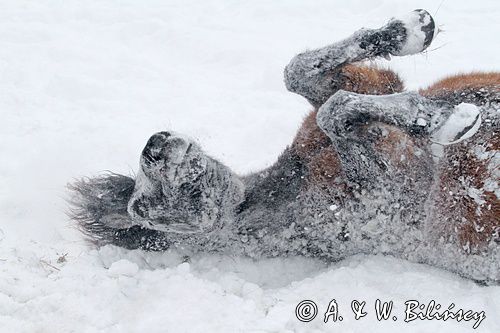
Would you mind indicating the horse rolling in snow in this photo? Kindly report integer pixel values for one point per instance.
(373, 169)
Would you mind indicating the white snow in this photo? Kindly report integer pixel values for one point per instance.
(333, 207)
(421, 122)
(84, 84)
(123, 267)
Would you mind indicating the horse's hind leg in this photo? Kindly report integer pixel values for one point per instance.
(346, 117)
(317, 75)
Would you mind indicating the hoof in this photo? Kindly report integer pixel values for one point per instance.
(420, 31)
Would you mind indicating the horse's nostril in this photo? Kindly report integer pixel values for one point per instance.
(189, 148)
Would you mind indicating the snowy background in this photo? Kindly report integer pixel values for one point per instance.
(83, 84)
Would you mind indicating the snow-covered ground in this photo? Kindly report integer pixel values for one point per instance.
(82, 86)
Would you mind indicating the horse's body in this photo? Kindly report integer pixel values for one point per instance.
(373, 169)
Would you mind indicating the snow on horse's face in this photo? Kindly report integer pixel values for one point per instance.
(179, 188)
(172, 158)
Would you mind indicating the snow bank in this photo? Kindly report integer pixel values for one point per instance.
(114, 290)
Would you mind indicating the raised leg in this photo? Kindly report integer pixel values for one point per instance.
(345, 118)
(316, 74)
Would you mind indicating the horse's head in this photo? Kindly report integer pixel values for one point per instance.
(181, 189)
